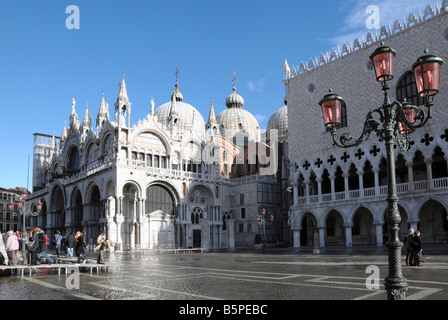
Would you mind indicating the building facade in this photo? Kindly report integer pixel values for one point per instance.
(340, 193)
(9, 220)
(171, 180)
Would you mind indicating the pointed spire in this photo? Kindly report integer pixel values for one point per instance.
(103, 113)
(123, 106)
(211, 117)
(64, 132)
(104, 108)
(87, 121)
(123, 94)
(53, 143)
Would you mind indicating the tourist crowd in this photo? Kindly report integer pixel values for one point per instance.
(36, 246)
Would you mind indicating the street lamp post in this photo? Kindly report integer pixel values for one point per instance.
(263, 221)
(18, 206)
(397, 121)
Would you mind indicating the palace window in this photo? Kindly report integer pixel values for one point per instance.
(407, 88)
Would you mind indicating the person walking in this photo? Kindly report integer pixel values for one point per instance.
(408, 243)
(417, 249)
(71, 244)
(43, 246)
(58, 241)
(33, 246)
(81, 247)
(102, 245)
(12, 246)
(64, 243)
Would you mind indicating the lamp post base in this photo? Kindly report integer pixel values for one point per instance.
(396, 288)
(396, 285)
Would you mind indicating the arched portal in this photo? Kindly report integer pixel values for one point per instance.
(159, 197)
(363, 230)
(196, 215)
(57, 214)
(77, 211)
(161, 209)
(130, 209)
(433, 222)
(335, 233)
(309, 227)
(93, 211)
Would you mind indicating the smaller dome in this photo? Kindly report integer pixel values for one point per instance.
(279, 122)
(234, 100)
(177, 95)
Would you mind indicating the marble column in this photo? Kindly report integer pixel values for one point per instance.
(296, 236)
(348, 234)
(429, 173)
(409, 165)
(333, 188)
(322, 237)
(379, 233)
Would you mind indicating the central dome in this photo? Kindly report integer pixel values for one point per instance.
(185, 115)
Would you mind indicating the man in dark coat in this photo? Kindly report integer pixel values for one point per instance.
(416, 249)
(71, 244)
(42, 238)
(33, 246)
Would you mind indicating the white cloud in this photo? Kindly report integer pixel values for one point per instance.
(389, 11)
(256, 86)
(261, 118)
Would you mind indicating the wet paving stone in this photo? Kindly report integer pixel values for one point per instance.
(229, 276)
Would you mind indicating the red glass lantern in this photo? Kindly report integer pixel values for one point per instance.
(427, 74)
(331, 109)
(271, 218)
(39, 206)
(19, 204)
(11, 206)
(409, 112)
(263, 212)
(383, 61)
(24, 195)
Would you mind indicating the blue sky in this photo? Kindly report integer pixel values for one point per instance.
(43, 64)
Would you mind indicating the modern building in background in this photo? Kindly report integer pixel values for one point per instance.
(340, 193)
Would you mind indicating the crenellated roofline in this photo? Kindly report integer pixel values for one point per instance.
(357, 44)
